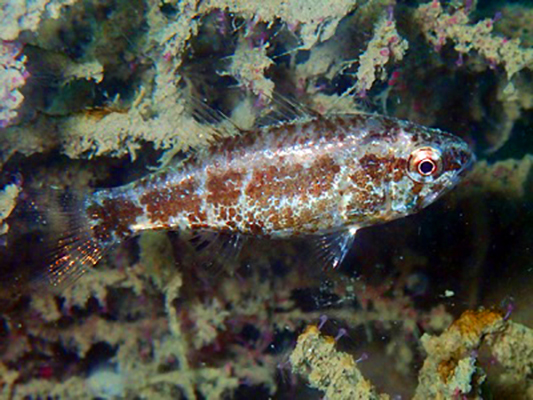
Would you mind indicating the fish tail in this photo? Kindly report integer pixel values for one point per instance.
(73, 247)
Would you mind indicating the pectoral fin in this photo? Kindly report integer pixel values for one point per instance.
(331, 248)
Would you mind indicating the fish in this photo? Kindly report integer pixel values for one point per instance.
(323, 177)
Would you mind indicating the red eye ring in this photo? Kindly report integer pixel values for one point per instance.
(424, 164)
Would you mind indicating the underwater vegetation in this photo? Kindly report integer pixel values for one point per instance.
(99, 93)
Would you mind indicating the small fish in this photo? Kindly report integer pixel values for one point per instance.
(322, 176)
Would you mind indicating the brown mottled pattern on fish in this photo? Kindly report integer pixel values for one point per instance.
(320, 176)
(304, 177)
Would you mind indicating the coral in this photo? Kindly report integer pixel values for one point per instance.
(159, 109)
(155, 254)
(507, 177)
(46, 307)
(450, 368)
(515, 21)
(248, 65)
(329, 370)
(27, 140)
(513, 349)
(385, 44)
(8, 200)
(26, 15)
(514, 97)
(7, 380)
(106, 383)
(315, 23)
(169, 339)
(439, 26)
(157, 114)
(209, 320)
(13, 76)
(90, 71)
(452, 365)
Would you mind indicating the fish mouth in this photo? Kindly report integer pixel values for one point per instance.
(467, 167)
(431, 198)
(463, 172)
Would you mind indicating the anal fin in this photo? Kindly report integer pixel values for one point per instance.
(216, 249)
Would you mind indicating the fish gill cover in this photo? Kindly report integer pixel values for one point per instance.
(99, 93)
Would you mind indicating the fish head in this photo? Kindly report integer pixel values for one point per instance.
(431, 163)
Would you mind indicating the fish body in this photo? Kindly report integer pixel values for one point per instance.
(306, 177)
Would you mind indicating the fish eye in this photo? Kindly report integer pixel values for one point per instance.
(424, 164)
(426, 167)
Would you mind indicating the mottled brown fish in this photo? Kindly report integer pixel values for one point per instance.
(324, 176)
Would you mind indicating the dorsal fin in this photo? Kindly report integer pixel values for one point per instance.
(216, 121)
(284, 108)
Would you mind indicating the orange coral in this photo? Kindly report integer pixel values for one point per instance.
(472, 324)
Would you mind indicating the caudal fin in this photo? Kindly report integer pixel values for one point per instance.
(73, 255)
(72, 246)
